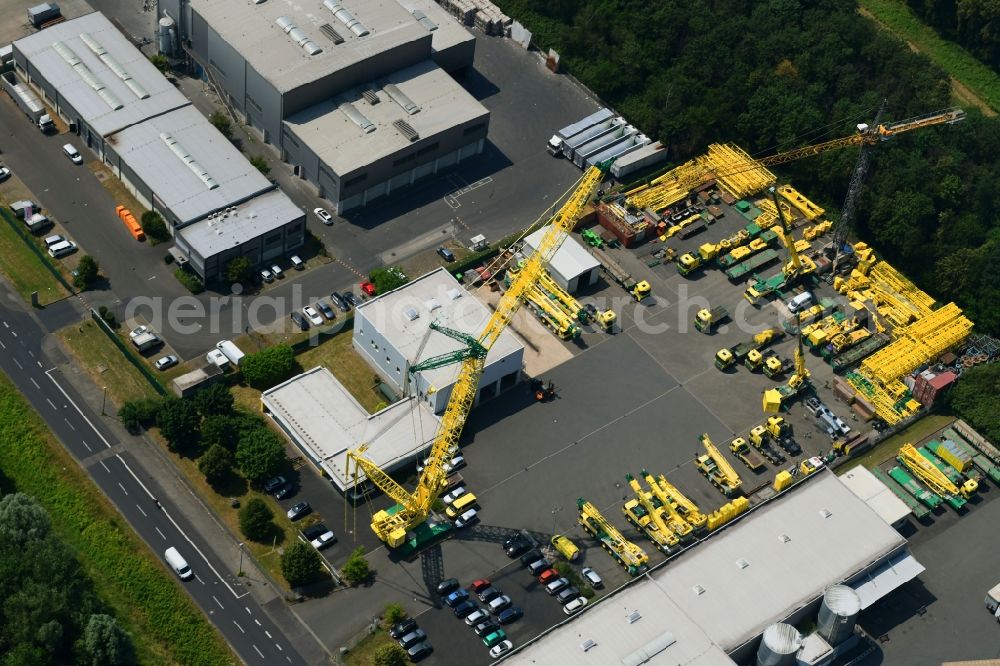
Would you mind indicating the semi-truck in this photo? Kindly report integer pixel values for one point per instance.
(639, 289)
(43, 13)
(27, 101)
(993, 601)
(707, 320)
(747, 455)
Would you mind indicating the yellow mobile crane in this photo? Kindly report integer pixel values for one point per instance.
(646, 517)
(796, 267)
(935, 479)
(717, 469)
(632, 557)
(692, 515)
(775, 398)
(405, 522)
(677, 523)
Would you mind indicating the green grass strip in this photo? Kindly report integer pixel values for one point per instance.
(952, 58)
(166, 626)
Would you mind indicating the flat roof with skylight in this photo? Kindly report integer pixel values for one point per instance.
(188, 164)
(98, 72)
(445, 31)
(722, 593)
(570, 260)
(293, 44)
(325, 420)
(349, 132)
(231, 228)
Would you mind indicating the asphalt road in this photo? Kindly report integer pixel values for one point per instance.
(120, 477)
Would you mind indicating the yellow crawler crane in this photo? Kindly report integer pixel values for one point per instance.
(632, 558)
(935, 479)
(675, 521)
(717, 469)
(692, 514)
(646, 517)
(405, 523)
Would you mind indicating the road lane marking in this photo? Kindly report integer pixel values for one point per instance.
(85, 444)
(258, 651)
(141, 511)
(17, 362)
(51, 403)
(122, 487)
(160, 533)
(77, 408)
(279, 647)
(219, 602)
(31, 353)
(248, 610)
(14, 333)
(240, 628)
(6, 325)
(35, 383)
(39, 364)
(3, 345)
(71, 426)
(267, 633)
(105, 467)
(257, 622)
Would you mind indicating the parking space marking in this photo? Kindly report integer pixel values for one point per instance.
(141, 511)
(451, 199)
(218, 602)
(257, 622)
(86, 445)
(71, 426)
(105, 467)
(267, 633)
(3, 345)
(122, 487)
(198, 578)
(240, 628)
(258, 651)
(248, 610)
(279, 647)
(21, 367)
(32, 379)
(51, 403)
(160, 533)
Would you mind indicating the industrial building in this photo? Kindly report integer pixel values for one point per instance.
(355, 96)
(572, 267)
(876, 495)
(217, 205)
(392, 332)
(710, 604)
(324, 421)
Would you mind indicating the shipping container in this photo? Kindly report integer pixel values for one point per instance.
(618, 136)
(23, 96)
(43, 13)
(587, 135)
(618, 150)
(642, 158)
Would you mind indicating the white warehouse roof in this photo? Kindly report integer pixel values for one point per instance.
(722, 593)
(189, 165)
(570, 260)
(98, 72)
(875, 494)
(342, 143)
(251, 219)
(446, 32)
(325, 420)
(403, 317)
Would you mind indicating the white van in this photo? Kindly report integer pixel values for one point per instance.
(297, 263)
(231, 351)
(73, 154)
(799, 302)
(62, 249)
(178, 563)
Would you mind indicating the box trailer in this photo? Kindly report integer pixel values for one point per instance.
(619, 135)
(591, 133)
(43, 13)
(231, 351)
(649, 155)
(555, 145)
(617, 151)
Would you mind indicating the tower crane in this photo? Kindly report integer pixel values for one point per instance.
(405, 522)
(866, 135)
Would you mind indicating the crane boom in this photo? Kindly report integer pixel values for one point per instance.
(392, 525)
(692, 514)
(732, 478)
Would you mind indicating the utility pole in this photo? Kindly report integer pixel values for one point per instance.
(104, 401)
(239, 572)
(554, 512)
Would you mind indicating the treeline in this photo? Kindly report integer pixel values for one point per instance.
(973, 24)
(50, 612)
(774, 75)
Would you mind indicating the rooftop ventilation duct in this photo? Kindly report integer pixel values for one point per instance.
(406, 130)
(370, 96)
(186, 158)
(357, 117)
(345, 17)
(285, 23)
(334, 36)
(298, 35)
(397, 96)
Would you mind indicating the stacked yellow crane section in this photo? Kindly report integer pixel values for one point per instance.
(808, 209)
(392, 526)
(922, 341)
(658, 532)
(678, 525)
(568, 303)
(737, 172)
(927, 472)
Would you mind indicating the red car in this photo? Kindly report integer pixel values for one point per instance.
(368, 288)
(547, 575)
(479, 585)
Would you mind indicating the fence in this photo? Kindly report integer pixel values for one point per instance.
(127, 353)
(17, 226)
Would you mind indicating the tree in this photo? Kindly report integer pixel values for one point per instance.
(393, 613)
(255, 520)
(216, 463)
(239, 270)
(261, 164)
(22, 520)
(106, 642)
(214, 400)
(268, 367)
(300, 564)
(178, 422)
(357, 570)
(160, 62)
(260, 455)
(974, 397)
(387, 279)
(87, 272)
(389, 654)
(222, 123)
(221, 430)
(138, 414)
(154, 226)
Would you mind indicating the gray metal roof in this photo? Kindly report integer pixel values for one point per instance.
(326, 420)
(446, 31)
(253, 30)
(266, 212)
(570, 260)
(347, 145)
(109, 82)
(794, 547)
(188, 164)
(875, 494)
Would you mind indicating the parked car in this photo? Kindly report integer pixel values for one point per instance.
(500, 604)
(516, 545)
(296, 262)
(4, 173)
(299, 510)
(274, 484)
(557, 586)
(501, 649)
(566, 548)
(592, 577)
(351, 299)
(73, 154)
(339, 301)
(453, 495)
(137, 331)
(319, 536)
(278, 273)
(480, 584)
(510, 615)
(300, 321)
(575, 606)
(547, 576)
(538, 566)
(419, 651)
(486, 627)
(457, 462)
(165, 362)
(455, 598)
(313, 316)
(447, 586)
(402, 628)
(284, 492)
(55, 239)
(325, 308)
(531, 556)
(466, 519)
(567, 595)
(446, 254)
(324, 216)
(368, 289)
(465, 608)
(495, 638)
(488, 594)
(266, 275)
(412, 638)
(472, 619)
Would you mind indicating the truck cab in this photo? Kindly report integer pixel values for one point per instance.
(45, 123)
(554, 146)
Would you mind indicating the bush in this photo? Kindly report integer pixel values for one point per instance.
(260, 455)
(189, 280)
(160, 62)
(393, 613)
(222, 123)
(239, 270)
(577, 581)
(300, 564)
(216, 463)
(87, 272)
(178, 421)
(154, 226)
(356, 570)
(256, 520)
(110, 319)
(268, 367)
(138, 414)
(214, 400)
(260, 164)
(389, 654)
(387, 279)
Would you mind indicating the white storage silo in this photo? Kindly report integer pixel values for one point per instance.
(838, 614)
(164, 35)
(778, 645)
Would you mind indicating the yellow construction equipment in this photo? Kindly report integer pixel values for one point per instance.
(688, 509)
(405, 522)
(797, 265)
(673, 518)
(727, 512)
(750, 458)
(717, 469)
(632, 558)
(646, 517)
(777, 427)
(547, 310)
(809, 210)
(934, 478)
(775, 398)
(569, 305)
